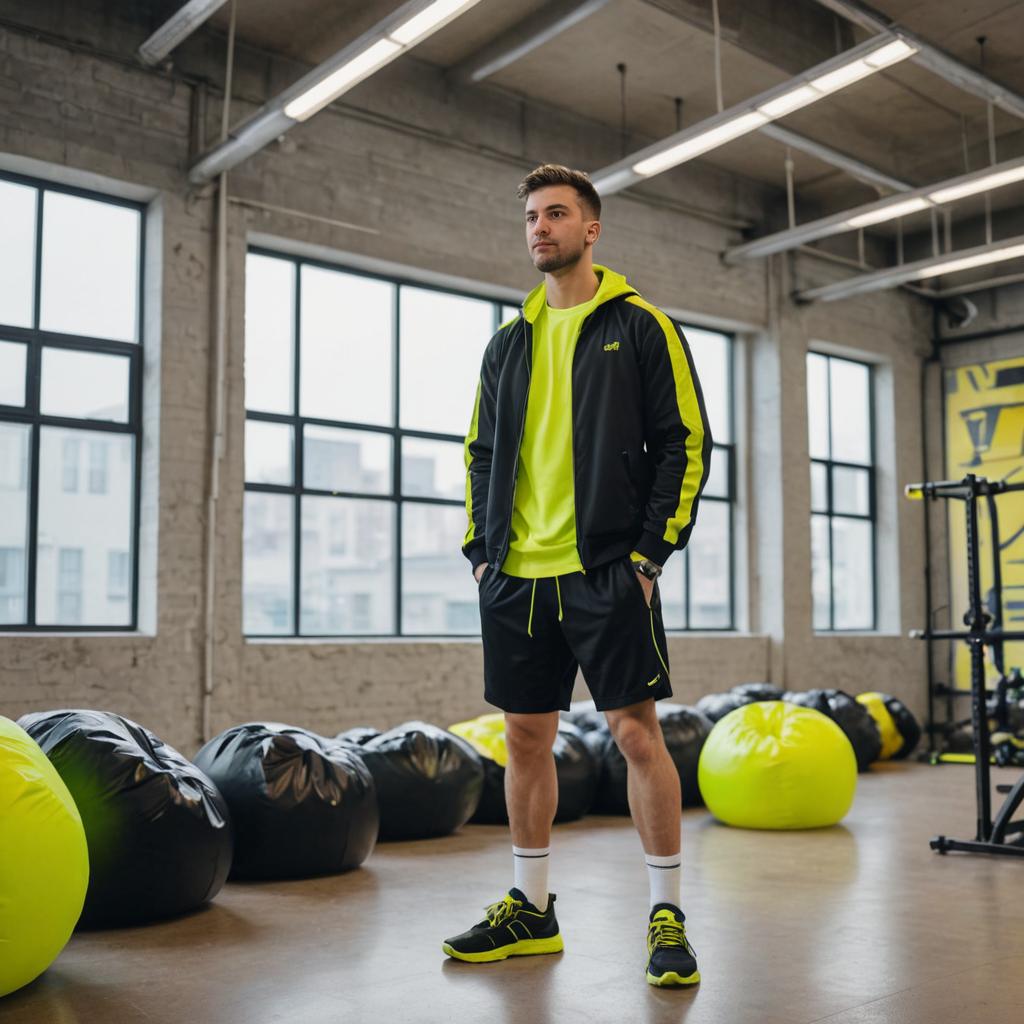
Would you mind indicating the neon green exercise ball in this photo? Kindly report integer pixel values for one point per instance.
(776, 765)
(44, 860)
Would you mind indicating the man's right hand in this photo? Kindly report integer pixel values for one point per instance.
(479, 571)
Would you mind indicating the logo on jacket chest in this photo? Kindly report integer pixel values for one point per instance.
(612, 346)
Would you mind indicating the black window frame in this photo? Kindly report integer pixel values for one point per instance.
(871, 517)
(397, 433)
(35, 340)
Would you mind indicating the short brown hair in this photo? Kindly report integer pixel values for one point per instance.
(556, 174)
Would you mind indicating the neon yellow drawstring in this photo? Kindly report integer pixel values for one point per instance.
(558, 590)
(529, 623)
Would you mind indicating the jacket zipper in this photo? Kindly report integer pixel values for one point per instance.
(522, 430)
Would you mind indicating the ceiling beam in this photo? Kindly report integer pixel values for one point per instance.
(941, 63)
(522, 38)
(826, 154)
(177, 28)
(933, 266)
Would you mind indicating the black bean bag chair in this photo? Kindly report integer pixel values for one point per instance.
(853, 718)
(592, 725)
(717, 705)
(685, 729)
(577, 769)
(158, 831)
(429, 781)
(358, 736)
(899, 730)
(758, 691)
(302, 804)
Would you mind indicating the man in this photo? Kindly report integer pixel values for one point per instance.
(586, 456)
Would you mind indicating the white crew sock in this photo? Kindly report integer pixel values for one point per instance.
(665, 875)
(531, 874)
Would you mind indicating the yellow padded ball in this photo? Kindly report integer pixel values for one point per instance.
(774, 765)
(44, 860)
(486, 735)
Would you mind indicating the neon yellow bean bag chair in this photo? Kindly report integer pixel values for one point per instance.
(775, 765)
(44, 861)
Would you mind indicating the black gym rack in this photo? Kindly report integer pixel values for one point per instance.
(1001, 835)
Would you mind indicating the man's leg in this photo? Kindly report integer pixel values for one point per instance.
(531, 793)
(652, 779)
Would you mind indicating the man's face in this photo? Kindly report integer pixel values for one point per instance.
(557, 229)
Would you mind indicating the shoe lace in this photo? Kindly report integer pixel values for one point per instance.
(665, 934)
(503, 909)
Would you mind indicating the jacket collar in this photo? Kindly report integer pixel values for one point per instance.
(612, 286)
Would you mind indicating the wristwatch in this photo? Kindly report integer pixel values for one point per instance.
(647, 568)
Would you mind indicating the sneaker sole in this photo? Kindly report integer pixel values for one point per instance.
(672, 980)
(524, 947)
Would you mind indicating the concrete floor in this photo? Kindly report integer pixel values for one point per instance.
(858, 924)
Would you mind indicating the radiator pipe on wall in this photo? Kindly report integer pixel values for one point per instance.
(219, 402)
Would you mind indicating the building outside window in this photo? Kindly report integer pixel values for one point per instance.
(70, 390)
(359, 391)
(841, 442)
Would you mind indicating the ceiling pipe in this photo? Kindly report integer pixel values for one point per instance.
(177, 28)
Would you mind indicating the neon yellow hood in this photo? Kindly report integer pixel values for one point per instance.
(611, 287)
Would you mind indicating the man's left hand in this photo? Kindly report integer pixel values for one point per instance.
(647, 585)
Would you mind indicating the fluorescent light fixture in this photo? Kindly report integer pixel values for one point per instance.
(970, 188)
(790, 101)
(862, 61)
(890, 212)
(892, 53)
(433, 17)
(1009, 252)
(710, 139)
(330, 88)
(178, 27)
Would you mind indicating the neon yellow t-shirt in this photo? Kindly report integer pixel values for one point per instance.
(543, 539)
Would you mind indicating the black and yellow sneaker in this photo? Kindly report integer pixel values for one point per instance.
(671, 961)
(513, 927)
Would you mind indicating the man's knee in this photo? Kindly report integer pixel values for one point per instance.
(638, 740)
(529, 736)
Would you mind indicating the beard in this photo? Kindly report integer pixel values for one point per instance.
(557, 259)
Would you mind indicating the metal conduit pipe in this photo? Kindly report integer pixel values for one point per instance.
(219, 401)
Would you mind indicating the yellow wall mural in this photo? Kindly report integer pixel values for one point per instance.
(985, 436)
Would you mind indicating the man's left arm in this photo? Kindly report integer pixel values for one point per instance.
(677, 435)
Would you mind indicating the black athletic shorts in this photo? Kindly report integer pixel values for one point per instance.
(536, 633)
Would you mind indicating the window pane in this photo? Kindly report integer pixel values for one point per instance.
(268, 453)
(347, 346)
(12, 370)
(84, 385)
(347, 566)
(710, 568)
(347, 460)
(672, 587)
(14, 442)
(850, 491)
(439, 594)
(269, 333)
(433, 469)
(819, 487)
(79, 526)
(851, 418)
(268, 544)
(817, 405)
(443, 341)
(90, 280)
(710, 352)
(854, 576)
(821, 582)
(718, 479)
(17, 253)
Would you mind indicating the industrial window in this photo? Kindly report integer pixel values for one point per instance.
(70, 405)
(359, 391)
(840, 436)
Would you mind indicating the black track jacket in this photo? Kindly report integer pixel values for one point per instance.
(641, 445)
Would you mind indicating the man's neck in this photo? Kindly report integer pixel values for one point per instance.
(571, 286)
